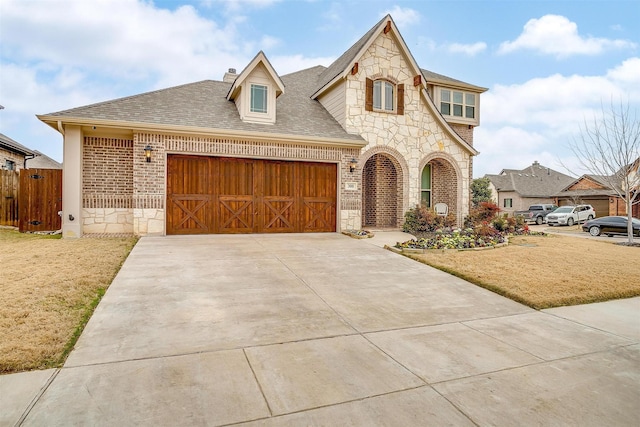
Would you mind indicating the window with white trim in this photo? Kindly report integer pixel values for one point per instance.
(259, 98)
(383, 95)
(508, 203)
(425, 187)
(458, 104)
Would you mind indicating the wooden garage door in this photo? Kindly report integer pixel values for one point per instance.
(208, 195)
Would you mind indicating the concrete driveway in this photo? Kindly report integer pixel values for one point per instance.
(322, 329)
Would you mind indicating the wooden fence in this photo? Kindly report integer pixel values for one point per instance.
(30, 199)
(40, 200)
(9, 188)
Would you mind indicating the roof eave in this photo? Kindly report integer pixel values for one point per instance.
(467, 87)
(195, 130)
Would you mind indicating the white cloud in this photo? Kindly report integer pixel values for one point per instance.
(236, 5)
(125, 39)
(467, 49)
(403, 16)
(292, 63)
(556, 35)
(536, 120)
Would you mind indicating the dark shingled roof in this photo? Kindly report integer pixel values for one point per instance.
(14, 146)
(204, 105)
(533, 181)
(340, 64)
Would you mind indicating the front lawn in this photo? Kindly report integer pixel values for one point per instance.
(547, 271)
(48, 290)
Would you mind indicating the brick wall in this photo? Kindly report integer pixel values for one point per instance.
(444, 184)
(381, 189)
(107, 167)
(465, 132)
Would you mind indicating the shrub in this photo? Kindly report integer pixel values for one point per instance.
(483, 212)
(421, 220)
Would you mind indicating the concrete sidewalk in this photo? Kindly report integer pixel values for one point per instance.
(322, 329)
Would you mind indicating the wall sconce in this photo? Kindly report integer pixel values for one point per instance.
(147, 153)
(352, 165)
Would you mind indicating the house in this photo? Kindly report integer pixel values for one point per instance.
(515, 190)
(13, 155)
(324, 149)
(42, 161)
(596, 190)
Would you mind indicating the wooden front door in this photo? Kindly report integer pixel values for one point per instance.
(208, 195)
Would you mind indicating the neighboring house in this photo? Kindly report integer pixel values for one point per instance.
(596, 191)
(42, 161)
(515, 190)
(352, 145)
(13, 155)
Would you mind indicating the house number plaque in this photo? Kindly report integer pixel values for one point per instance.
(351, 186)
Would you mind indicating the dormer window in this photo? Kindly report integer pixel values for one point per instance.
(259, 98)
(255, 90)
(383, 96)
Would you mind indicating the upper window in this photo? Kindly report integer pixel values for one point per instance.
(458, 104)
(258, 98)
(383, 95)
(508, 203)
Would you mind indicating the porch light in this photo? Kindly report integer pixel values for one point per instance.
(147, 153)
(352, 165)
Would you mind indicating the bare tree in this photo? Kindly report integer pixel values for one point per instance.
(609, 146)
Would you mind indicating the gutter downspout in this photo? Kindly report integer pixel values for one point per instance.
(60, 128)
(27, 157)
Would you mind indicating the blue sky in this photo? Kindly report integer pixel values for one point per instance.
(548, 65)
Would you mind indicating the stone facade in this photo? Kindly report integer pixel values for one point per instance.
(413, 138)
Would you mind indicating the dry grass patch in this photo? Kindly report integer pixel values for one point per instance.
(48, 289)
(547, 271)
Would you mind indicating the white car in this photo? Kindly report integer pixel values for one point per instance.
(569, 215)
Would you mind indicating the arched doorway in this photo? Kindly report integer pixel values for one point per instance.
(439, 184)
(381, 192)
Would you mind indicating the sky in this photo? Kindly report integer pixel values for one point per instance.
(550, 67)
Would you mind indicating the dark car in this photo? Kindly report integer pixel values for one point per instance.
(611, 225)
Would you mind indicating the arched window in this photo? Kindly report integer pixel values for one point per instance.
(425, 186)
(384, 96)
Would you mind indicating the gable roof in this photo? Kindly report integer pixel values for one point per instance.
(346, 60)
(202, 107)
(260, 58)
(205, 107)
(533, 181)
(11, 145)
(342, 66)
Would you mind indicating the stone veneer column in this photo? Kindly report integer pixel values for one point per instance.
(72, 182)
